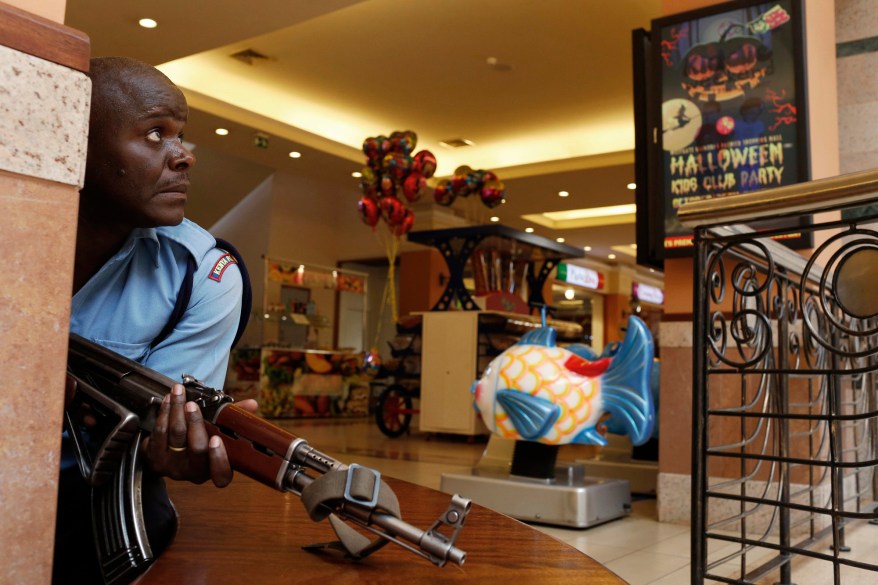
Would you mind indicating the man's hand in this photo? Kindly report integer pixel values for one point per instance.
(179, 446)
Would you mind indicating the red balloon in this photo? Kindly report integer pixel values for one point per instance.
(405, 226)
(392, 210)
(461, 183)
(368, 209)
(397, 164)
(412, 186)
(425, 163)
(492, 193)
(388, 186)
(442, 194)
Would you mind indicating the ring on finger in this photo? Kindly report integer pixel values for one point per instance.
(176, 449)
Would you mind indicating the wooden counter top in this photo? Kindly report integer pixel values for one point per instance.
(247, 533)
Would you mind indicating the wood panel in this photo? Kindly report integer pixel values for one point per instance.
(43, 38)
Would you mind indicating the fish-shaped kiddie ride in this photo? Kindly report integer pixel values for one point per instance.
(537, 391)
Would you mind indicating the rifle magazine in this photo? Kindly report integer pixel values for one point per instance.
(119, 527)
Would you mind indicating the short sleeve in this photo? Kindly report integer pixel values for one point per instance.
(201, 341)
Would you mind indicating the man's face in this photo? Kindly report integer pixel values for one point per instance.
(137, 174)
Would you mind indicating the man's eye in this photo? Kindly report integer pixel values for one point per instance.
(154, 136)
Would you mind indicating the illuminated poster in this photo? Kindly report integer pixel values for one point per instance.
(732, 116)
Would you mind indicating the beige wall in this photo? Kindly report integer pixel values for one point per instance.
(51, 9)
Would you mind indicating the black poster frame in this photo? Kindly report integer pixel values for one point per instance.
(746, 141)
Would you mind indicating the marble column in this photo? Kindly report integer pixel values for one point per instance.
(44, 103)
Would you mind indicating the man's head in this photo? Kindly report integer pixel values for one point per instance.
(137, 167)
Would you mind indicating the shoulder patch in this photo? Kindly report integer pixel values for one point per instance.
(224, 262)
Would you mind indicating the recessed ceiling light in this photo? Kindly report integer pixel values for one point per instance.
(494, 218)
(587, 248)
(560, 240)
(652, 269)
(611, 256)
(147, 23)
(356, 174)
(222, 131)
(632, 186)
(295, 154)
(569, 294)
(529, 230)
(563, 194)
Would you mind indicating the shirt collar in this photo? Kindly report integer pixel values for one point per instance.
(150, 238)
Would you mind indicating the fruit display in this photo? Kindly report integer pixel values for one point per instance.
(303, 383)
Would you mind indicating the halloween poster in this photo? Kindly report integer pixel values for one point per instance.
(732, 114)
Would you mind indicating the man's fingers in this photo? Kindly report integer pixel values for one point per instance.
(220, 470)
(197, 434)
(249, 405)
(177, 428)
(159, 437)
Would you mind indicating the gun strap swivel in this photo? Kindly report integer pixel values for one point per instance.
(358, 486)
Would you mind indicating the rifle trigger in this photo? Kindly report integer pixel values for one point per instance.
(361, 497)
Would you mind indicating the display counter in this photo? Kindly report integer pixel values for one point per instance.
(291, 383)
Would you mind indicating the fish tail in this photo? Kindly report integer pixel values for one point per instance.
(625, 385)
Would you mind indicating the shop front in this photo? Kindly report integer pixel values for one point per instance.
(297, 370)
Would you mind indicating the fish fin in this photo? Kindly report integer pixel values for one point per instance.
(531, 416)
(472, 390)
(625, 386)
(544, 336)
(586, 368)
(584, 351)
(590, 436)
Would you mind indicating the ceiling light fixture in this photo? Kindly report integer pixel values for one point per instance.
(611, 256)
(147, 23)
(456, 143)
(563, 194)
(578, 218)
(295, 154)
(587, 248)
(631, 186)
(494, 218)
(356, 174)
(569, 294)
(560, 240)
(529, 230)
(222, 132)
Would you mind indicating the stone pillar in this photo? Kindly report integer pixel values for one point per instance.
(44, 104)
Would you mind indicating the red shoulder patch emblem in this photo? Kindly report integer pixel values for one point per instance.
(224, 262)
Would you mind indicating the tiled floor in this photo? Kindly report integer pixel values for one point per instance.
(638, 548)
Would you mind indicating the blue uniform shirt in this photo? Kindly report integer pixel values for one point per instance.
(127, 303)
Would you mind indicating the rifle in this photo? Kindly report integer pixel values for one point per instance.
(124, 397)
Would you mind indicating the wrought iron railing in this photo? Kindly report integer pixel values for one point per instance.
(785, 402)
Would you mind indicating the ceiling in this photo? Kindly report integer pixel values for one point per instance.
(542, 89)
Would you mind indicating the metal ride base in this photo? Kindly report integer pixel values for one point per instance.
(570, 499)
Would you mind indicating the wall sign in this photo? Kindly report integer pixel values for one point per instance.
(647, 293)
(580, 276)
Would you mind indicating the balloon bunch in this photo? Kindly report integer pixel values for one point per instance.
(391, 170)
(391, 181)
(466, 182)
